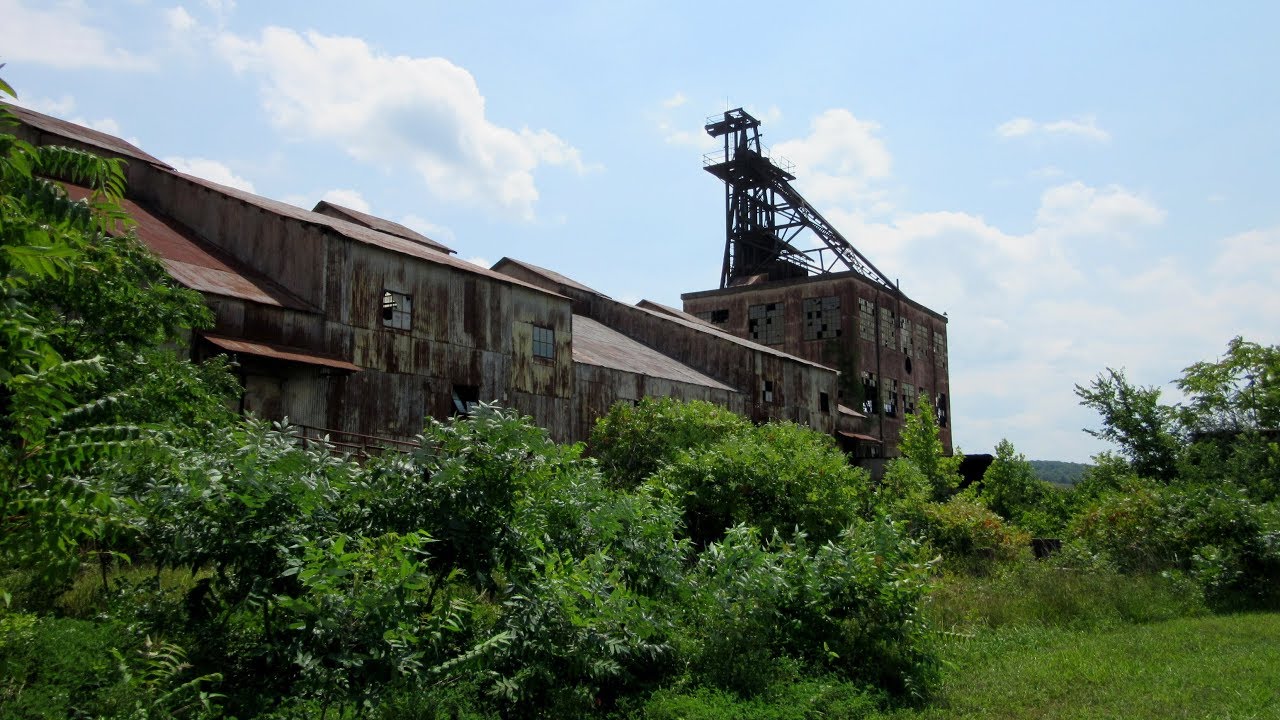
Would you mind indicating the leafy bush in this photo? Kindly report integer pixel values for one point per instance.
(775, 477)
(632, 441)
(969, 535)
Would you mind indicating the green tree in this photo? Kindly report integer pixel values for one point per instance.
(1239, 392)
(921, 445)
(1134, 419)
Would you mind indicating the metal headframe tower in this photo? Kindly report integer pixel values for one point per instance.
(764, 214)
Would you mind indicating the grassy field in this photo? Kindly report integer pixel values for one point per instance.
(1225, 666)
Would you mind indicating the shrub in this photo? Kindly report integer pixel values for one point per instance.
(970, 536)
(775, 477)
(632, 441)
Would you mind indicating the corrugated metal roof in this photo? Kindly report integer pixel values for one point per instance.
(198, 265)
(713, 330)
(596, 344)
(278, 352)
(551, 275)
(668, 310)
(846, 410)
(324, 207)
(80, 134)
(358, 233)
(860, 436)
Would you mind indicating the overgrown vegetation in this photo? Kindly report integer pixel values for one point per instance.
(164, 558)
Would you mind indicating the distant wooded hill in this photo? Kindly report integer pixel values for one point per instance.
(1059, 472)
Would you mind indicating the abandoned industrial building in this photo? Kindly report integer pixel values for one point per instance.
(356, 327)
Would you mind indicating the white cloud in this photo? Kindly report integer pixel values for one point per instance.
(1077, 209)
(213, 171)
(1085, 126)
(395, 110)
(482, 262)
(58, 107)
(439, 233)
(675, 101)
(178, 19)
(839, 160)
(347, 198)
(59, 35)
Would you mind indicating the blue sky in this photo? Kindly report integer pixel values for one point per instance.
(1078, 185)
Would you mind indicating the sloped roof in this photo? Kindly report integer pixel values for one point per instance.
(673, 312)
(324, 207)
(596, 344)
(198, 265)
(80, 134)
(359, 233)
(551, 275)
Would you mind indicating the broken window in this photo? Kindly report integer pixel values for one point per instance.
(908, 398)
(921, 341)
(766, 394)
(940, 348)
(544, 342)
(889, 399)
(824, 402)
(870, 391)
(397, 310)
(821, 318)
(715, 317)
(465, 399)
(941, 410)
(765, 323)
(888, 331)
(904, 331)
(866, 320)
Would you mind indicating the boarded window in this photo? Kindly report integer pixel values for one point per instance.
(870, 391)
(544, 342)
(888, 329)
(716, 317)
(866, 320)
(397, 310)
(821, 318)
(765, 323)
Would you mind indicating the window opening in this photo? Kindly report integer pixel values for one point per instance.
(866, 320)
(890, 399)
(908, 398)
(397, 310)
(715, 317)
(821, 318)
(765, 323)
(767, 393)
(544, 342)
(465, 399)
(888, 332)
(824, 402)
(942, 409)
(940, 349)
(870, 392)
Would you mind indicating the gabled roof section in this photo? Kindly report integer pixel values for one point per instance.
(79, 134)
(596, 344)
(550, 275)
(198, 265)
(373, 222)
(668, 310)
(709, 329)
(358, 233)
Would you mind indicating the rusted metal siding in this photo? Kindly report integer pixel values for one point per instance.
(598, 388)
(852, 352)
